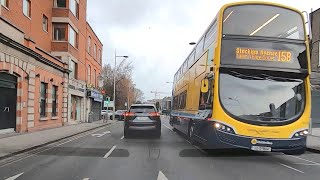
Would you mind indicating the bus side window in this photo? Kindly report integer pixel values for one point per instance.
(206, 98)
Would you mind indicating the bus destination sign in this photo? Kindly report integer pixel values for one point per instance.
(263, 54)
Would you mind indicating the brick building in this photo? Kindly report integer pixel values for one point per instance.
(44, 64)
(315, 67)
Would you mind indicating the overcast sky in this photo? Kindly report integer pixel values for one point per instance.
(155, 34)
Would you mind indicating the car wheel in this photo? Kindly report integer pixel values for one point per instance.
(125, 132)
(158, 133)
(111, 118)
(191, 133)
(296, 152)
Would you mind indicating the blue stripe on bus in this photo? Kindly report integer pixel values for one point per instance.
(182, 114)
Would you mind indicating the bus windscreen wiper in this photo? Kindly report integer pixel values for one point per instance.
(280, 78)
(271, 118)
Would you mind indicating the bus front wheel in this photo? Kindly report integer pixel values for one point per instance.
(296, 152)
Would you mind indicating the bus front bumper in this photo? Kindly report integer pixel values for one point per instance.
(228, 140)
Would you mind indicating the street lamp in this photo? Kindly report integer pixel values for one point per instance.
(114, 82)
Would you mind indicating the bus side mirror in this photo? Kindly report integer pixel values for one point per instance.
(204, 85)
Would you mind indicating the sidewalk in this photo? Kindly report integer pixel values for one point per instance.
(313, 140)
(15, 142)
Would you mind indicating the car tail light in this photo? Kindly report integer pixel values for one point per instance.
(128, 114)
(155, 114)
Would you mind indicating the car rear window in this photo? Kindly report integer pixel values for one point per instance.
(142, 109)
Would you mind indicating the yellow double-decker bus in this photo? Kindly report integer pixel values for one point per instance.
(246, 82)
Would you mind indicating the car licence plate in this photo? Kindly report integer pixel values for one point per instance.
(261, 148)
(142, 118)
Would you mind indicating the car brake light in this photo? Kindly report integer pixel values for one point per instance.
(155, 114)
(128, 114)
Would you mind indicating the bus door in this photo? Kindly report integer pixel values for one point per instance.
(205, 108)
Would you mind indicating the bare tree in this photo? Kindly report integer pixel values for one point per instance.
(124, 84)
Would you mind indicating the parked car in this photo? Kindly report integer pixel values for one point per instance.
(142, 117)
(106, 114)
(120, 114)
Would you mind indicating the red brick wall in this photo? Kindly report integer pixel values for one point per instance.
(32, 27)
(93, 61)
(48, 121)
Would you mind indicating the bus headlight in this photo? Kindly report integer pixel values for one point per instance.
(217, 125)
(222, 127)
(300, 133)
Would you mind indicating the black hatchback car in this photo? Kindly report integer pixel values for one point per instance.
(142, 117)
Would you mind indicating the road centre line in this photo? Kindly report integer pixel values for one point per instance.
(48, 148)
(109, 152)
(161, 176)
(14, 177)
(291, 168)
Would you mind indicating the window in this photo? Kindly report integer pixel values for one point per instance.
(89, 45)
(45, 23)
(5, 3)
(257, 99)
(54, 100)
(73, 69)
(199, 49)
(74, 8)
(89, 74)
(263, 20)
(60, 3)
(43, 98)
(100, 56)
(95, 51)
(27, 8)
(206, 98)
(73, 37)
(210, 36)
(183, 100)
(59, 32)
(191, 59)
(95, 78)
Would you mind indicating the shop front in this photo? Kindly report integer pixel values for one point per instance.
(95, 99)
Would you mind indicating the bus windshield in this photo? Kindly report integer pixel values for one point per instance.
(260, 98)
(263, 20)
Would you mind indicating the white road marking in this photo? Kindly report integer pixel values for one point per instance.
(167, 127)
(307, 164)
(14, 177)
(122, 137)
(109, 152)
(48, 149)
(161, 176)
(291, 168)
(304, 159)
(86, 179)
(100, 135)
(200, 149)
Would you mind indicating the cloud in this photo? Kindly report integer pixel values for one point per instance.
(155, 33)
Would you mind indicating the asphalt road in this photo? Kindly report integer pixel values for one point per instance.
(105, 154)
